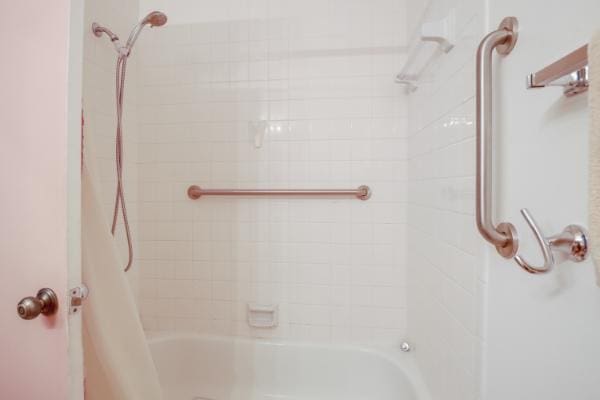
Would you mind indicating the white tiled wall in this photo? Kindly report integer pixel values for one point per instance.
(319, 74)
(324, 84)
(320, 77)
(446, 282)
(99, 109)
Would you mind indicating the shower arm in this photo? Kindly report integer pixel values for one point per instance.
(98, 30)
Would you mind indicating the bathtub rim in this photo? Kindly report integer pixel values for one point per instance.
(405, 362)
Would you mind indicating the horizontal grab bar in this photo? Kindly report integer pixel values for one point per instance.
(362, 192)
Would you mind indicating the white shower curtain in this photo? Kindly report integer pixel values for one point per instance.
(118, 363)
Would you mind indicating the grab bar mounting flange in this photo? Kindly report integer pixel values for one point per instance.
(510, 24)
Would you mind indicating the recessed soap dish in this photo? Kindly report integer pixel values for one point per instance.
(263, 315)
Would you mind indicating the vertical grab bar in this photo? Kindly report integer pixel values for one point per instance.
(572, 243)
(504, 236)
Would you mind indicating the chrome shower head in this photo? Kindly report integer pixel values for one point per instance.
(155, 18)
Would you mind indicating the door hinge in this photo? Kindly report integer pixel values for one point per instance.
(77, 295)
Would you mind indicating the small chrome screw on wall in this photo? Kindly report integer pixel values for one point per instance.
(405, 347)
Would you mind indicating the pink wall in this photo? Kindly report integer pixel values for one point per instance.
(33, 150)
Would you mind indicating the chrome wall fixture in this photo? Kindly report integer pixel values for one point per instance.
(572, 242)
(570, 73)
(362, 192)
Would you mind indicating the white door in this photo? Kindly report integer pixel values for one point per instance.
(38, 239)
(543, 330)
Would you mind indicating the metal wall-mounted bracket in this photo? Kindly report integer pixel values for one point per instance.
(77, 295)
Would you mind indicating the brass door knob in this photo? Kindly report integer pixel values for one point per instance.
(45, 302)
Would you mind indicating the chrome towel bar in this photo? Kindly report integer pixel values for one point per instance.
(570, 72)
(362, 192)
(572, 242)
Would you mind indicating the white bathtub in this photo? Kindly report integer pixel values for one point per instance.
(194, 367)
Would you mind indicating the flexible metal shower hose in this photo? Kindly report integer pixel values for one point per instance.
(120, 198)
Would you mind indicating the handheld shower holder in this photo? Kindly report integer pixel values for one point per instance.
(571, 244)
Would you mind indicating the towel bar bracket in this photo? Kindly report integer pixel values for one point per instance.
(572, 84)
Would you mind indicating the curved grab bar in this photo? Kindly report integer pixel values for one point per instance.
(504, 236)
